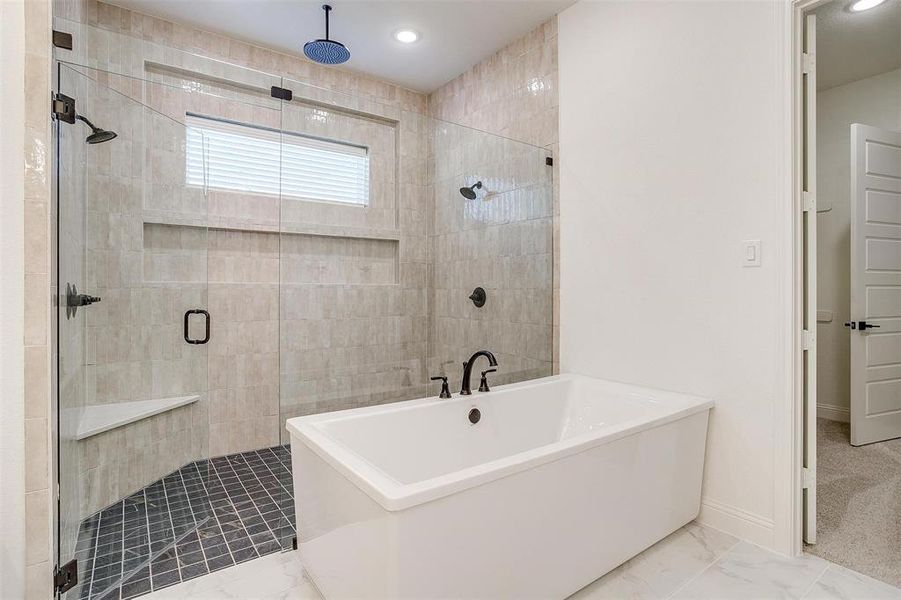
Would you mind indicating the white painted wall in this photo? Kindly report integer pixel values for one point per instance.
(12, 390)
(673, 149)
(873, 101)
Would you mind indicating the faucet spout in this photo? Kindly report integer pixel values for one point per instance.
(467, 369)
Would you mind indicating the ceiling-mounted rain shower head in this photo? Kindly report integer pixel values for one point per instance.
(470, 192)
(97, 136)
(326, 51)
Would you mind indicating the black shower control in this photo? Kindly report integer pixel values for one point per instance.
(478, 297)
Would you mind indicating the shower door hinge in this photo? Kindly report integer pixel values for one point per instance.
(808, 478)
(65, 577)
(549, 161)
(808, 340)
(63, 40)
(808, 202)
(281, 93)
(808, 62)
(62, 107)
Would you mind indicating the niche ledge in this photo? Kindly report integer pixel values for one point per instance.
(104, 417)
(157, 217)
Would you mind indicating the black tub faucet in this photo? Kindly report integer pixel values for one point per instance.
(467, 369)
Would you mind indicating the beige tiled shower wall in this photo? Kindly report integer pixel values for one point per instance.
(38, 293)
(348, 283)
(506, 242)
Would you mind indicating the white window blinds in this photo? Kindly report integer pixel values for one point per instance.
(225, 155)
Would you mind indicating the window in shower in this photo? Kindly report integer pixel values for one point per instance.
(231, 156)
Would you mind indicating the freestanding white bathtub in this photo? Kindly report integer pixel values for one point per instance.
(561, 480)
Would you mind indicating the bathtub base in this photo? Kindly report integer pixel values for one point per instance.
(541, 533)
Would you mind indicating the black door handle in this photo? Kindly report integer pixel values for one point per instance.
(197, 311)
(861, 325)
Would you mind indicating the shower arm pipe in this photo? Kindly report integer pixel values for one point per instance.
(87, 121)
(327, 10)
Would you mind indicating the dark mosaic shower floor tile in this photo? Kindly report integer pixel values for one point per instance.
(208, 515)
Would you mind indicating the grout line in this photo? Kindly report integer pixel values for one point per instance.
(705, 569)
(196, 528)
(122, 551)
(237, 514)
(94, 557)
(149, 541)
(285, 519)
(214, 516)
(814, 582)
(251, 498)
(172, 526)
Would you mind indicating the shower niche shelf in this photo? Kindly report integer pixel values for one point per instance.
(155, 217)
(104, 417)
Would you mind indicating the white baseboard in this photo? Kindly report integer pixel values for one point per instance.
(738, 522)
(834, 413)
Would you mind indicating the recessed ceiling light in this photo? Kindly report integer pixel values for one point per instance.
(408, 36)
(862, 5)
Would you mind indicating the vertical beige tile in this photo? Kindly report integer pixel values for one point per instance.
(37, 454)
(38, 581)
(37, 527)
(37, 377)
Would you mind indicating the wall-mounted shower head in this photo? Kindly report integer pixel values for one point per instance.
(470, 192)
(97, 136)
(326, 51)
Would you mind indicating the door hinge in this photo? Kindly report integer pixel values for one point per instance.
(808, 62)
(65, 577)
(62, 107)
(808, 202)
(808, 478)
(63, 40)
(808, 339)
(281, 93)
(549, 161)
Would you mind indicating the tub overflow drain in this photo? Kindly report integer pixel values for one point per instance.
(474, 416)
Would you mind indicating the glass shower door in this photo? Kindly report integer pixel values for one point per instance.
(132, 332)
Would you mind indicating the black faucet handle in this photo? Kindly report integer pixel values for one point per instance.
(483, 385)
(445, 389)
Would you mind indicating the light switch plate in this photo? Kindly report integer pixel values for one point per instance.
(750, 253)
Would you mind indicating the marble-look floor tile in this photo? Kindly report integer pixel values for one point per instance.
(839, 583)
(663, 568)
(750, 572)
(275, 577)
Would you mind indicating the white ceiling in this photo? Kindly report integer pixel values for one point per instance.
(852, 46)
(454, 34)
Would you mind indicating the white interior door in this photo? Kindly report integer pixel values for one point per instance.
(875, 284)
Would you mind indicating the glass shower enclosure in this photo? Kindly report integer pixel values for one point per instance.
(233, 258)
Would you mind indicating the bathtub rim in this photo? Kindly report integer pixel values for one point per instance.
(394, 496)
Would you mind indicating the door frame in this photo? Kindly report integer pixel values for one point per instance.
(790, 422)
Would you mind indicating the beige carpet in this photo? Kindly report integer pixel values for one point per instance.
(858, 503)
